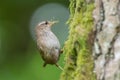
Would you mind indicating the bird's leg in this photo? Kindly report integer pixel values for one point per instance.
(59, 66)
(44, 64)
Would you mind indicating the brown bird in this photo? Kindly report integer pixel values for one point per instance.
(47, 43)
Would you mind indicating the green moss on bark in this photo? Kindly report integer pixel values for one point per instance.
(78, 57)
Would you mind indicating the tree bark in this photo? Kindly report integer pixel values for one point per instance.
(102, 61)
(106, 49)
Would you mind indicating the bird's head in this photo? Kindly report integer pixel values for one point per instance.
(46, 24)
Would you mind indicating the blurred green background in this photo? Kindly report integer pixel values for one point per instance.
(19, 57)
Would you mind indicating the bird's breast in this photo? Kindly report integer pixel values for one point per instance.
(47, 40)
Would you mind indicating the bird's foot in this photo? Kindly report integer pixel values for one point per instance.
(61, 51)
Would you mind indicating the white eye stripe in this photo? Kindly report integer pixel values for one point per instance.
(42, 23)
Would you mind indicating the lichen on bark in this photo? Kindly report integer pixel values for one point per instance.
(78, 55)
(106, 48)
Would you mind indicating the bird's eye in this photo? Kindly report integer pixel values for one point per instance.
(46, 22)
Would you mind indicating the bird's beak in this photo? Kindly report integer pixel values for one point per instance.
(53, 22)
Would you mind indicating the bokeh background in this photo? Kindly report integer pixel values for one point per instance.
(19, 57)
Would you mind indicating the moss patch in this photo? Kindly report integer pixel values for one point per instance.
(78, 57)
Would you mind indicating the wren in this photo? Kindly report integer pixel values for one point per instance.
(47, 43)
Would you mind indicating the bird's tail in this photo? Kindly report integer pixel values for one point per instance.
(59, 67)
(56, 65)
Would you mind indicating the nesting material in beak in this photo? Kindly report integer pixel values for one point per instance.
(53, 22)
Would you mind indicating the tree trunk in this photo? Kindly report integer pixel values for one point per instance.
(107, 39)
(77, 49)
(92, 51)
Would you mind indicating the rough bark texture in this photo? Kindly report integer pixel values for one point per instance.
(78, 55)
(106, 49)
